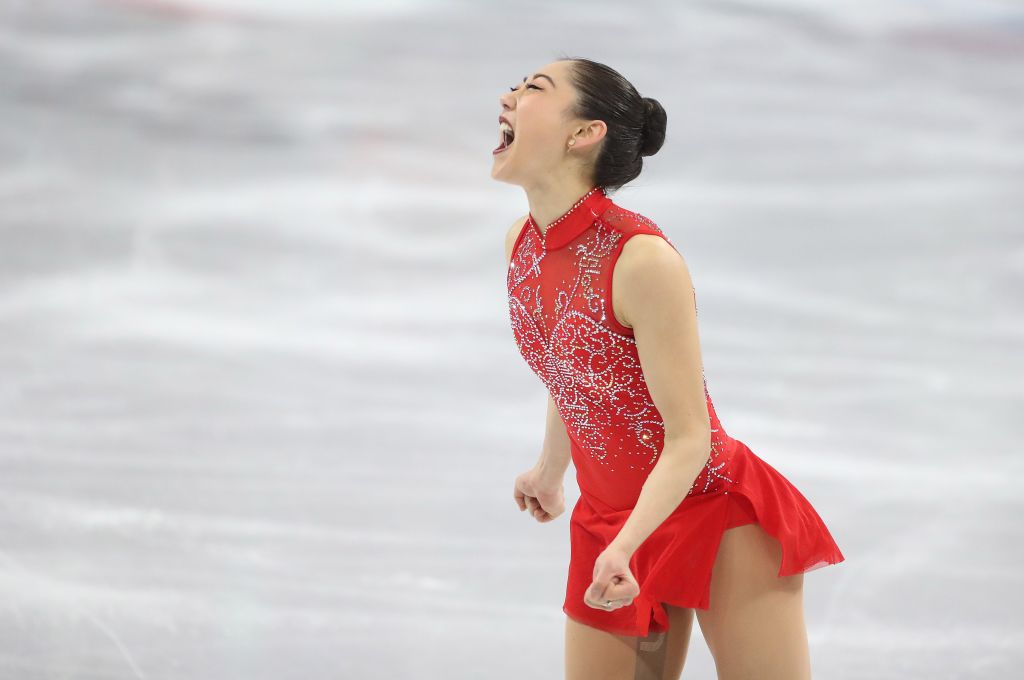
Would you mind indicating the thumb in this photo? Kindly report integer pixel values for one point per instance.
(612, 583)
(622, 588)
(596, 592)
(602, 580)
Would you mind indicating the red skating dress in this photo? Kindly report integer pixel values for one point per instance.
(559, 295)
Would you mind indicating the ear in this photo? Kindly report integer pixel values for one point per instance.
(590, 133)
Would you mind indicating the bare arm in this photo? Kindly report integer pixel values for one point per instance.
(654, 294)
(555, 453)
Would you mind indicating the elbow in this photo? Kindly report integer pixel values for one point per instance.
(691, 443)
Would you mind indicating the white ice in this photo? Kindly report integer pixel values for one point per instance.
(261, 409)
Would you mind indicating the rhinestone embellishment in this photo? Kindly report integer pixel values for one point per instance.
(562, 320)
(567, 212)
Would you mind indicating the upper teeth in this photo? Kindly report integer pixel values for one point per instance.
(506, 128)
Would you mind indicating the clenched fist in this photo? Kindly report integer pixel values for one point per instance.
(542, 496)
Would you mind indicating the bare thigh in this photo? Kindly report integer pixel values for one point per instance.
(755, 625)
(593, 654)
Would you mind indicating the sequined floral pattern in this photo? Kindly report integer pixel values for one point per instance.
(562, 320)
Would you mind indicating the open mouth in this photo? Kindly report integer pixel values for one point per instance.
(507, 137)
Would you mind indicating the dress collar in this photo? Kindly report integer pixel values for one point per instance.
(575, 220)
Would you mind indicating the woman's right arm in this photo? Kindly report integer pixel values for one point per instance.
(554, 454)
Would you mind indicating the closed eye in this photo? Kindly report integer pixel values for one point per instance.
(528, 86)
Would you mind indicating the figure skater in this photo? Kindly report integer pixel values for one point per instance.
(675, 517)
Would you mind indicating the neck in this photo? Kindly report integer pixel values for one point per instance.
(550, 201)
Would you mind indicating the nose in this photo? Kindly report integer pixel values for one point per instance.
(507, 100)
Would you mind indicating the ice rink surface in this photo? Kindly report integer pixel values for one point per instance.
(261, 409)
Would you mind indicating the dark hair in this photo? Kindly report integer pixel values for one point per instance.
(636, 125)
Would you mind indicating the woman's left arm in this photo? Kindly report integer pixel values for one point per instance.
(652, 292)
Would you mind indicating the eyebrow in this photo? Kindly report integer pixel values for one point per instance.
(541, 75)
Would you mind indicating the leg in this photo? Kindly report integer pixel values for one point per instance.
(755, 626)
(680, 624)
(592, 654)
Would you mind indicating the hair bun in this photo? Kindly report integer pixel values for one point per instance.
(652, 131)
(636, 124)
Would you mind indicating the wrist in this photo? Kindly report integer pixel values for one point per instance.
(621, 547)
(551, 469)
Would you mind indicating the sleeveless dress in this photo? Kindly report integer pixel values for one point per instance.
(560, 308)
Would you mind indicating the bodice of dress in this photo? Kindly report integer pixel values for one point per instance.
(560, 308)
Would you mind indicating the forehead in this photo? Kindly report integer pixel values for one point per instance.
(558, 71)
(553, 69)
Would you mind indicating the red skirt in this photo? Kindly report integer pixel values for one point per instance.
(673, 566)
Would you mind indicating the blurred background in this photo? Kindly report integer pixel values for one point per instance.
(261, 410)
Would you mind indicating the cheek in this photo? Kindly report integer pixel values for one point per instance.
(540, 136)
(539, 127)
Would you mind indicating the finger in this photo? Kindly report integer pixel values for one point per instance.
(609, 576)
(553, 513)
(622, 591)
(615, 604)
(519, 496)
(596, 592)
(552, 507)
(622, 588)
(549, 515)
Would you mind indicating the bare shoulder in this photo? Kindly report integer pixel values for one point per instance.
(649, 258)
(649, 272)
(648, 247)
(512, 235)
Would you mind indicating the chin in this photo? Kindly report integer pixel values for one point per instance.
(497, 173)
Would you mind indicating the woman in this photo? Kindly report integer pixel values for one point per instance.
(675, 516)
